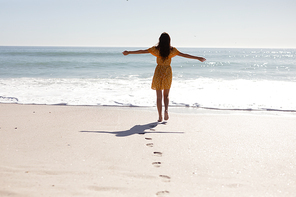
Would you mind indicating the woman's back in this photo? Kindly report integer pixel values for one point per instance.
(163, 61)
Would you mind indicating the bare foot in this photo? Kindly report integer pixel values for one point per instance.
(160, 119)
(166, 115)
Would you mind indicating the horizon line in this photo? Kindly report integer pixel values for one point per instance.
(92, 46)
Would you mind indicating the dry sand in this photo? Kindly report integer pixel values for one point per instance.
(110, 151)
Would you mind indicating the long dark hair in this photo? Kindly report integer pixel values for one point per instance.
(164, 45)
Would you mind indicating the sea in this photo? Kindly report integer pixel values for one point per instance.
(230, 79)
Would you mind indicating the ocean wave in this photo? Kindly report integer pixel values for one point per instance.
(4, 99)
(202, 93)
(238, 79)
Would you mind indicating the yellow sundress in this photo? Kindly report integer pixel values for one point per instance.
(162, 78)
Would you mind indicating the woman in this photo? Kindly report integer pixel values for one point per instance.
(162, 78)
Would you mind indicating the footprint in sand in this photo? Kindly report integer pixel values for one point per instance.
(165, 178)
(149, 144)
(156, 164)
(160, 193)
(159, 154)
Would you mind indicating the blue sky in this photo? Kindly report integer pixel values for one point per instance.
(191, 23)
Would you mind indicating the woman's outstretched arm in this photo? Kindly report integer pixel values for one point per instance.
(192, 57)
(135, 52)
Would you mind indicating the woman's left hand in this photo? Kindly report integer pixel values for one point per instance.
(125, 52)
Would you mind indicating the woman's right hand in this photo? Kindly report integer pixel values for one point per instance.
(202, 59)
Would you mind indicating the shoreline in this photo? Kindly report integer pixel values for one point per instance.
(182, 109)
(60, 150)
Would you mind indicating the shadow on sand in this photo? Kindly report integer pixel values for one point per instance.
(137, 129)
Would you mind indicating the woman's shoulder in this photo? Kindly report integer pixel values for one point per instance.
(154, 51)
(152, 48)
(174, 51)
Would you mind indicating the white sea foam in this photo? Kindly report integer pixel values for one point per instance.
(202, 92)
(236, 94)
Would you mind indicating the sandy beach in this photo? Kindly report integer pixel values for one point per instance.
(51, 150)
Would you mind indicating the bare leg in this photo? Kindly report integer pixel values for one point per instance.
(159, 104)
(166, 103)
